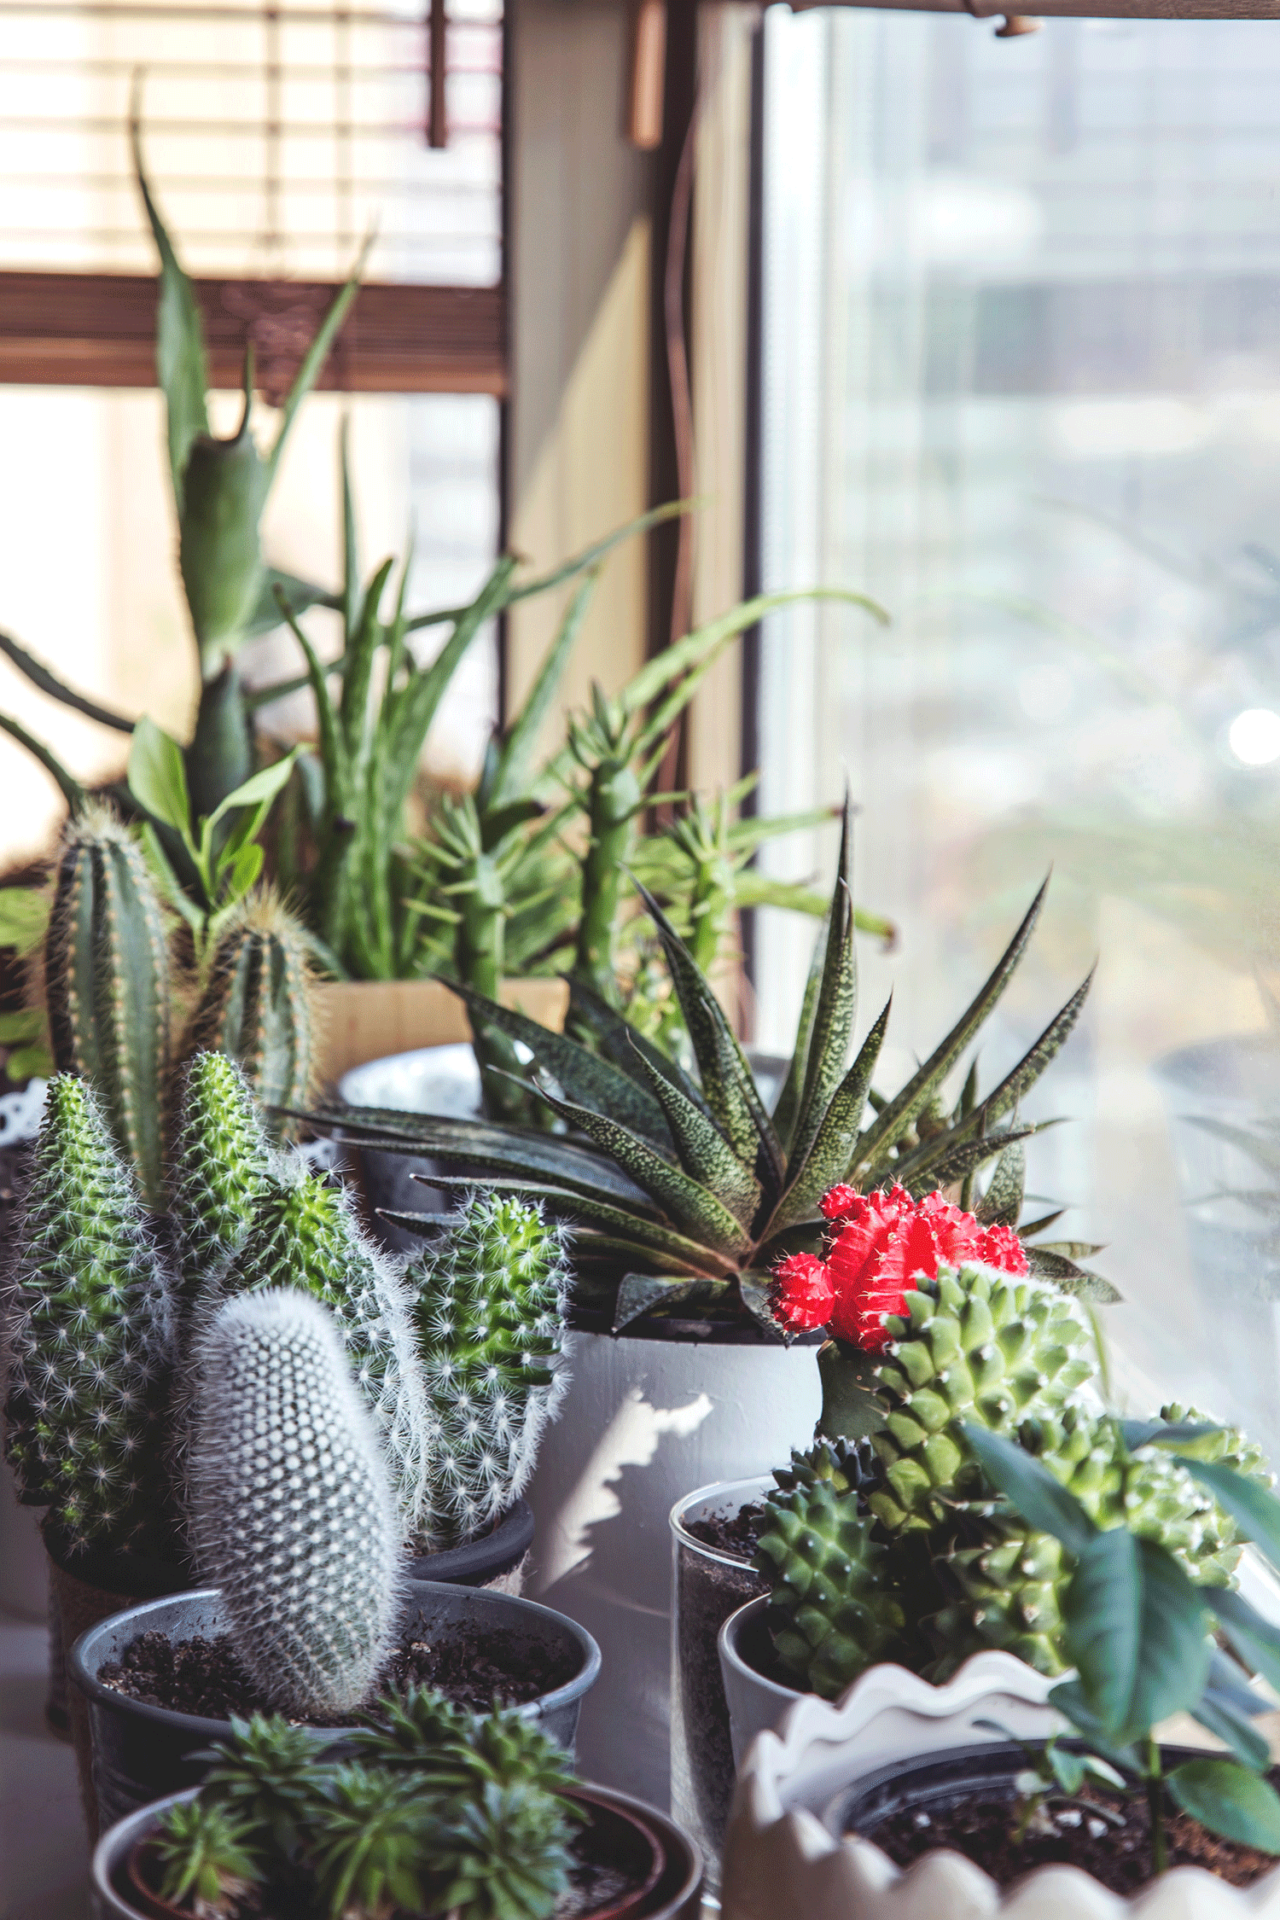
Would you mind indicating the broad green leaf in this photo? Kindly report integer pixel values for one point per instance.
(640, 1293)
(693, 1208)
(828, 1052)
(24, 917)
(245, 870)
(828, 1158)
(30, 1063)
(72, 792)
(898, 1114)
(703, 1150)
(1229, 1800)
(1032, 1489)
(181, 370)
(1255, 1640)
(158, 778)
(262, 788)
(584, 1075)
(1253, 1506)
(1070, 1700)
(1002, 1202)
(1135, 1628)
(1223, 1718)
(40, 676)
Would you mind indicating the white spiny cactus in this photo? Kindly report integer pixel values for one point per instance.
(292, 1511)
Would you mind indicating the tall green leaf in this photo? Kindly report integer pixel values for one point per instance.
(1253, 1506)
(828, 1051)
(1230, 1800)
(828, 1158)
(182, 372)
(786, 1109)
(516, 756)
(1032, 1489)
(317, 353)
(1136, 1631)
(704, 1152)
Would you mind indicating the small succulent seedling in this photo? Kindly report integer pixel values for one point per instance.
(455, 1750)
(503, 1854)
(366, 1844)
(208, 1858)
(1141, 1637)
(265, 1775)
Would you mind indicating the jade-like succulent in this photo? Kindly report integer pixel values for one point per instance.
(89, 1334)
(292, 1514)
(303, 1234)
(256, 1002)
(107, 985)
(489, 1314)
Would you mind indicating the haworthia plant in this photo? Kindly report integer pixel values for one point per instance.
(107, 985)
(682, 1189)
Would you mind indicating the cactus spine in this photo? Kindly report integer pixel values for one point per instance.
(222, 1168)
(88, 1322)
(303, 1235)
(292, 1513)
(256, 1003)
(489, 1314)
(107, 985)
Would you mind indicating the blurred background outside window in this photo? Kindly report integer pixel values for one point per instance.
(1021, 381)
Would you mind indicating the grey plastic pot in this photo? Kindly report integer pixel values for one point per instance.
(493, 1560)
(677, 1896)
(140, 1751)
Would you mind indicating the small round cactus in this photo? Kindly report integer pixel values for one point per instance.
(292, 1512)
(89, 1333)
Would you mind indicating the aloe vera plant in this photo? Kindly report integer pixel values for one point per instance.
(683, 1190)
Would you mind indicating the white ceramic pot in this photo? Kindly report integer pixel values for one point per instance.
(783, 1862)
(642, 1422)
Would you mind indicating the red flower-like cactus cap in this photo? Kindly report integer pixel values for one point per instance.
(880, 1243)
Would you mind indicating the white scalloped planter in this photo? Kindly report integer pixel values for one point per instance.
(782, 1863)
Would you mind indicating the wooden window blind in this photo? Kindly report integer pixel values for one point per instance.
(275, 137)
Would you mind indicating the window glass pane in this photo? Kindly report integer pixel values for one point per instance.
(1022, 382)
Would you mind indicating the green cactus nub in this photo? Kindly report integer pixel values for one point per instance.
(256, 1003)
(303, 1235)
(836, 1606)
(978, 1346)
(489, 1314)
(89, 1333)
(222, 1168)
(107, 986)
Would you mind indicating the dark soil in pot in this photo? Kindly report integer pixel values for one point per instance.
(471, 1664)
(707, 1592)
(966, 1801)
(617, 1862)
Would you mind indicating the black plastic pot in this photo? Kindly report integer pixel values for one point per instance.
(677, 1894)
(495, 1557)
(140, 1752)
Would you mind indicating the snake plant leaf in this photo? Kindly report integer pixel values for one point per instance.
(837, 1135)
(317, 353)
(182, 371)
(157, 776)
(894, 1119)
(704, 1152)
(72, 792)
(622, 1042)
(584, 1075)
(728, 1085)
(786, 1109)
(413, 709)
(333, 747)
(40, 676)
(1070, 1278)
(351, 601)
(1001, 1204)
(364, 641)
(691, 1207)
(515, 758)
(943, 1160)
(641, 1293)
(836, 1008)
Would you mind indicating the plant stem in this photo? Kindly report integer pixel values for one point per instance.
(1155, 1808)
(614, 800)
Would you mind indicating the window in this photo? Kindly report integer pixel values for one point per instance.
(1021, 381)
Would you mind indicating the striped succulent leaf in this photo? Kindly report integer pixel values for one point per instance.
(682, 1191)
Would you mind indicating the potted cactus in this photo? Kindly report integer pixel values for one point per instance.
(476, 1815)
(1170, 1831)
(683, 1192)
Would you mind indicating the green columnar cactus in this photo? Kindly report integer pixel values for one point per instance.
(837, 1603)
(490, 1323)
(256, 1003)
(990, 1348)
(292, 1512)
(222, 1168)
(107, 985)
(88, 1320)
(303, 1235)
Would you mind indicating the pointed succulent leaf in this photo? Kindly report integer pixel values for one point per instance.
(897, 1115)
(727, 1083)
(787, 1107)
(1032, 1064)
(40, 676)
(703, 1150)
(312, 364)
(829, 1155)
(1041, 1225)
(1069, 1278)
(640, 1293)
(1002, 1202)
(692, 1207)
(941, 1161)
(584, 1076)
(833, 1018)
(638, 1230)
(622, 1042)
(69, 787)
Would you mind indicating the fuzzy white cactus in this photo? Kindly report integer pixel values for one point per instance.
(292, 1511)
